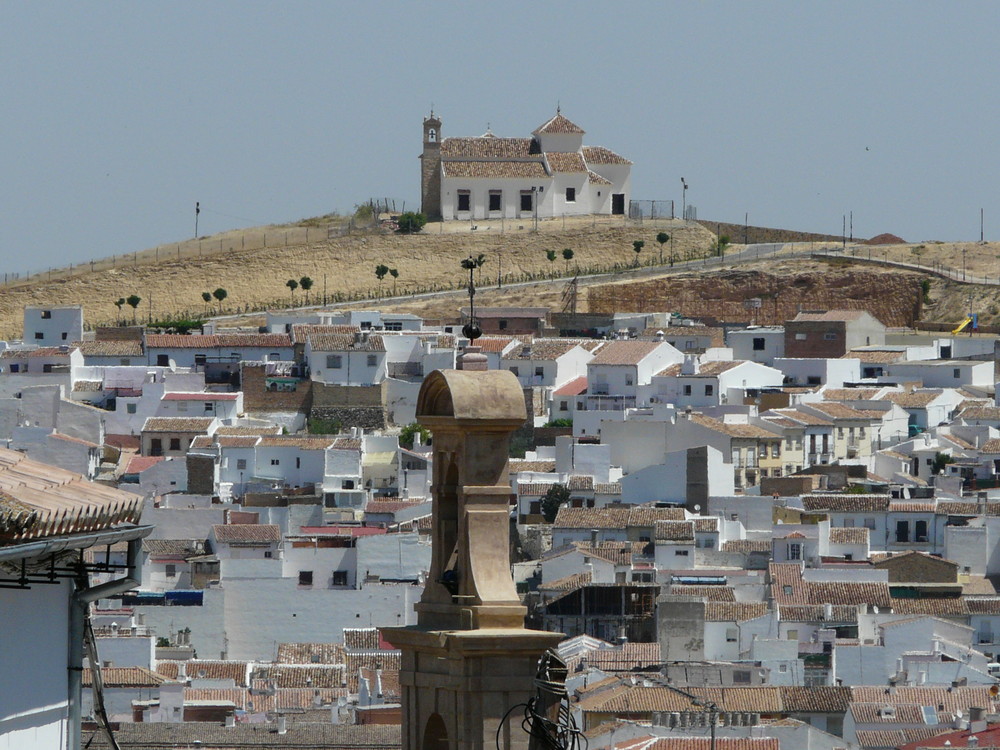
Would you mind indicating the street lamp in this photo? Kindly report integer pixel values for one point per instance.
(684, 192)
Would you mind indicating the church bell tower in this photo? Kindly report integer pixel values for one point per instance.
(430, 169)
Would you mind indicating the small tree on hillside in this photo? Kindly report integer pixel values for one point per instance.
(552, 500)
(723, 243)
(220, 294)
(567, 255)
(411, 222)
(119, 303)
(380, 271)
(207, 297)
(663, 238)
(292, 285)
(306, 283)
(637, 246)
(133, 302)
(395, 275)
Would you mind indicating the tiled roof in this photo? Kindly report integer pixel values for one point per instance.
(296, 441)
(674, 531)
(245, 431)
(302, 675)
(525, 489)
(545, 349)
(126, 677)
(489, 148)
(944, 698)
(200, 396)
(208, 669)
(629, 699)
(110, 348)
(624, 352)
(559, 124)
(836, 410)
(580, 483)
(387, 661)
(817, 613)
(494, 169)
(310, 653)
(235, 533)
(958, 606)
(882, 738)
(913, 399)
(909, 506)
(849, 535)
(619, 553)
(362, 639)
(592, 518)
(989, 413)
(173, 547)
(830, 315)
(88, 386)
(213, 735)
(626, 658)
(177, 424)
(495, 343)
(38, 500)
(567, 583)
(302, 331)
(700, 743)
(601, 155)
(827, 699)
(706, 370)
(345, 342)
(876, 356)
(850, 394)
(646, 516)
(734, 611)
(607, 488)
(574, 387)
(797, 416)
(958, 508)
(596, 179)
(565, 161)
(733, 429)
(849, 593)
(712, 593)
(846, 503)
(707, 525)
(216, 341)
(747, 545)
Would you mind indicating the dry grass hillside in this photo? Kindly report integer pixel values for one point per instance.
(171, 286)
(255, 279)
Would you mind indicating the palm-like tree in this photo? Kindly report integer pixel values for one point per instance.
(119, 303)
(220, 294)
(395, 275)
(567, 256)
(380, 271)
(133, 302)
(306, 283)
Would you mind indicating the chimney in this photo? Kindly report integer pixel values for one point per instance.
(181, 671)
(230, 721)
(282, 725)
(690, 365)
(972, 741)
(660, 336)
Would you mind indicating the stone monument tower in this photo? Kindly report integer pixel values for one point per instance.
(430, 169)
(469, 658)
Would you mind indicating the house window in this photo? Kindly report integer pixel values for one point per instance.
(870, 523)
(175, 444)
(956, 372)
(275, 462)
(182, 406)
(731, 635)
(241, 464)
(162, 360)
(46, 368)
(792, 635)
(209, 407)
(902, 531)
(200, 359)
(920, 531)
(741, 676)
(570, 195)
(372, 360)
(347, 484)
(681, 552)
(502, 325)
(563, 406)
(709, 390)
(298, 462)
(339, 578)
(64, 335)
(526, 200)
(801, 336)
(495, 200)
(156, 447)
(687, 390)
(130, 408)
(758, 344)
(46, 314)
(787, 590)
(829, 337)
(305, 578)
(15, 368)
(39, 335)
(171, 571)
(333, 361)
(629, 380)
(464, 200)
(514, 370)
(539, 372)
(795, 551)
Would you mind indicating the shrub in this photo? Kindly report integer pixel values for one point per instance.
(411, 222)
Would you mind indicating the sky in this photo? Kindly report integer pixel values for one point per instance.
(119, 116)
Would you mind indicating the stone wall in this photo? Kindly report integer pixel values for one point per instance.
(256, 397)
(739, 233)
(352, 406)
(894, 299)
(201, 474)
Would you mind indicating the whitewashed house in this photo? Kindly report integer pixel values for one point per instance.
(347, 359)
(711, 383)
(620, 369)
(53, 325)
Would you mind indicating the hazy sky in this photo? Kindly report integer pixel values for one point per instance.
(117, 117)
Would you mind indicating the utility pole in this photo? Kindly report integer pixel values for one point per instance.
(197, 210)
(684, 194)
(843, 234)
(981, 225)
(852, 227)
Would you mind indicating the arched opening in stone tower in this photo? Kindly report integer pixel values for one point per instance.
(435, 734)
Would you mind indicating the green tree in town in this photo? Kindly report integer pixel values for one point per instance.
(552, 500)
(408, 434)
(663, 238)
(411, 222)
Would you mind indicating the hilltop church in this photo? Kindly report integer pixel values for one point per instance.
(548, 175)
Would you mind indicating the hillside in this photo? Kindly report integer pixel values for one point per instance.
(255, 279)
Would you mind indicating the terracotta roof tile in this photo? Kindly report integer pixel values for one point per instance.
(494, 169)
(846, 503)
(565, 161)
(345, 342)
(734, 611)
(177, 424)
(110, 348)
(489, 148)
(624, 352)
(559, 124)
(601, 155)
(216, 341)
(849, 535)
(310, 653)
(674, 531)
(237, 533)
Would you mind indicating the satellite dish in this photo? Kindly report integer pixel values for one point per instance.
(874, 610)
(697, 507)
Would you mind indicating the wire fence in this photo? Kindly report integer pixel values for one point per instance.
(640, 210)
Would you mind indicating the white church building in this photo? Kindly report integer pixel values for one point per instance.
(550, 174)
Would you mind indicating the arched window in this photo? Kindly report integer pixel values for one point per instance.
(435, 734)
